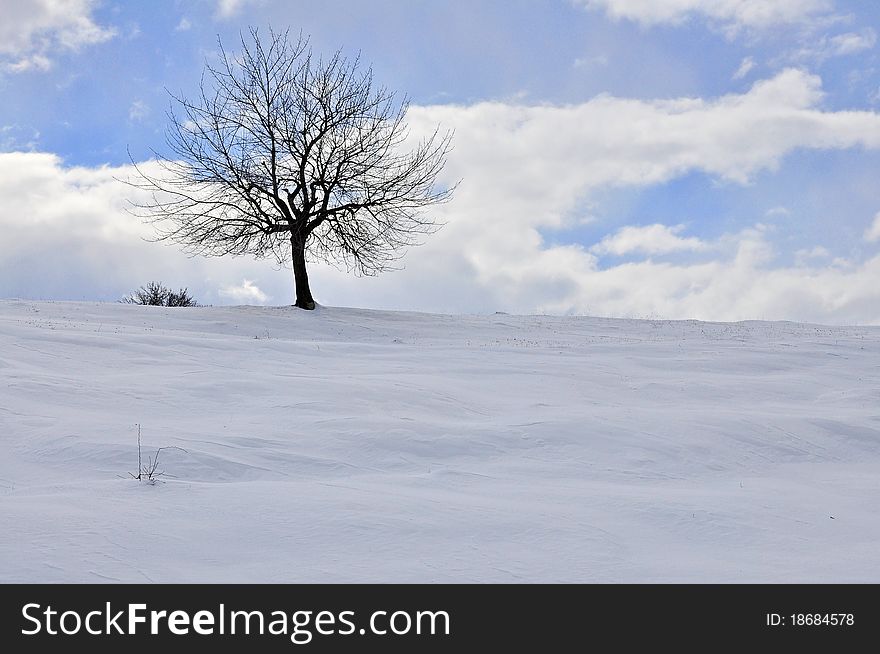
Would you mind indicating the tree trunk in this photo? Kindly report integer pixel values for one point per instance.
(304, 298)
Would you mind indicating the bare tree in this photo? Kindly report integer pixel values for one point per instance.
(289, 155)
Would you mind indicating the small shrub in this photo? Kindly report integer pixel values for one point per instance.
(156, 295)
(148, 472)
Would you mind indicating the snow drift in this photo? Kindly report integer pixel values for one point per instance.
(350, 445)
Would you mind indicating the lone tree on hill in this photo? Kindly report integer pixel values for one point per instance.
(289, 155)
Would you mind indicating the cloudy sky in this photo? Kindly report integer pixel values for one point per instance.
(710, 159)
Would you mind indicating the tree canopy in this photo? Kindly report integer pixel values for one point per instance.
(292, 156)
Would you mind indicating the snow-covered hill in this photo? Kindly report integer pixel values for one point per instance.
(354, 445)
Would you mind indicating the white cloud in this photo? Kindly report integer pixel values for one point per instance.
(650, 239)
(852, 42)
(802, 257)
(183, 25)
(138, 111)
(14, 137)
(31, 62)
(67, 234)
(744, 285)
(546, 154)
(245, 293)
(229, 8)
(31, 31)
(590, 62)
(872, 234)
(745, 68)
(528, 169)
(775, 212)
(839, 45)
(806, 20)
(133, 31)
(525, 170)
(732, 14)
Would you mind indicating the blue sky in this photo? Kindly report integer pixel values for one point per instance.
(722, 162)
